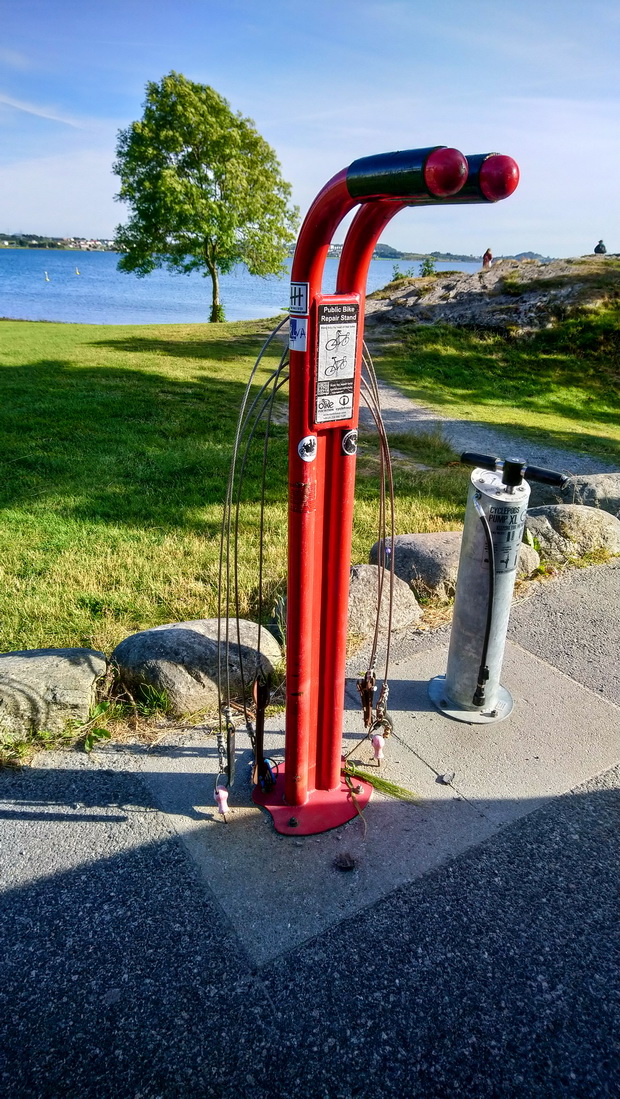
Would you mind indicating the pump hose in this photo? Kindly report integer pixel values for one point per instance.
(483, 671)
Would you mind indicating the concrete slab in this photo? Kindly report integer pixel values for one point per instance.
(279, 891)
(558, 735)
(574, 624)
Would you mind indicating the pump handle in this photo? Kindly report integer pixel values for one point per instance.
(531, 473)
(484, 461)
(546, 476)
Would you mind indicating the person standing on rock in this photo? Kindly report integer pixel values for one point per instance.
(600, 249)
(487, 258)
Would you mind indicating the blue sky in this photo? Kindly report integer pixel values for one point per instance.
(327, 82)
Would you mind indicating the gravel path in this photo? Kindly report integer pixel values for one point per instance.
(401, 414)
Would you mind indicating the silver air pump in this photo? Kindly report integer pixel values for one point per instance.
(494, 523)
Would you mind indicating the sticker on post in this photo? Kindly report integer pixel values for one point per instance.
(298, 333)
(307, 448)
(299, 297)
(349, 442)
(336, 359)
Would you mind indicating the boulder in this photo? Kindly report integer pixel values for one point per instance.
(572, 530)
(43, 689)
(181, 658)
(363, 602)
(427, 562)
(528, 560)
(595, 490)
(542, 494)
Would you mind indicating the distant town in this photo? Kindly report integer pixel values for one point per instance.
(31, 240)
(382, 251)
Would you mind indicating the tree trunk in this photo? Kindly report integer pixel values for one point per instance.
(217, 312)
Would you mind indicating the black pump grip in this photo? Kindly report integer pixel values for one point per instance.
(484, 461)
(545, 476)
(531, 473)
(400, 173)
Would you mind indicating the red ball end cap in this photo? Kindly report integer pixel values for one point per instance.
(499, 177)
(445, 172)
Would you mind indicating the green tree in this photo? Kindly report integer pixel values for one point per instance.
(204, 188)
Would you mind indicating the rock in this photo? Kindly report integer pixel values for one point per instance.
(595, 490)
(427, 562)
(572, 530)
(521, 295)
(544, 494)
(182, 659)
(528, 560)
(43, 689)
(363, 602)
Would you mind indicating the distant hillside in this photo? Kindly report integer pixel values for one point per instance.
(529, 255)
(386, 251)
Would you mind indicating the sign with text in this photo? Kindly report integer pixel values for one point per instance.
(335, 364)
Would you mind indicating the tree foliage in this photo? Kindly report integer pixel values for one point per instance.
(204, 188)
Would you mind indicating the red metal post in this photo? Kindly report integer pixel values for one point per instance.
(311, 795)
(357, 251)
(306, 493)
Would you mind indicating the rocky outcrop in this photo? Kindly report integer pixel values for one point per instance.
(567, 531)
(182, 659)
(363, 602)
(43, 689)
(510, 295)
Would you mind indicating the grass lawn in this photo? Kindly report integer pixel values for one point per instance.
(561, 385)
(116, 443)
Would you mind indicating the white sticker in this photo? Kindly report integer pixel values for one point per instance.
(299, 297)
(307, 448)
(336, 351)
(298, 333)
(336, 358)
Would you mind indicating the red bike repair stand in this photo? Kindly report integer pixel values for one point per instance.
(326, 340)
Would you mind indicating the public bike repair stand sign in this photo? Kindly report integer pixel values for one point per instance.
(310, 794)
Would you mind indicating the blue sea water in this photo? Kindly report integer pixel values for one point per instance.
(87, 288)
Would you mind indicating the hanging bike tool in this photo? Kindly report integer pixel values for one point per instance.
(493, 531)
(262, 773)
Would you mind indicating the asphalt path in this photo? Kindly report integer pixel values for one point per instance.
(496, 974)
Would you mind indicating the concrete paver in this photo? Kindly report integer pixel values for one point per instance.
(558, 734)
(279, 892)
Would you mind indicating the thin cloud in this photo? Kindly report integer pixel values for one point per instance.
(41, 112)
(14, 60)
